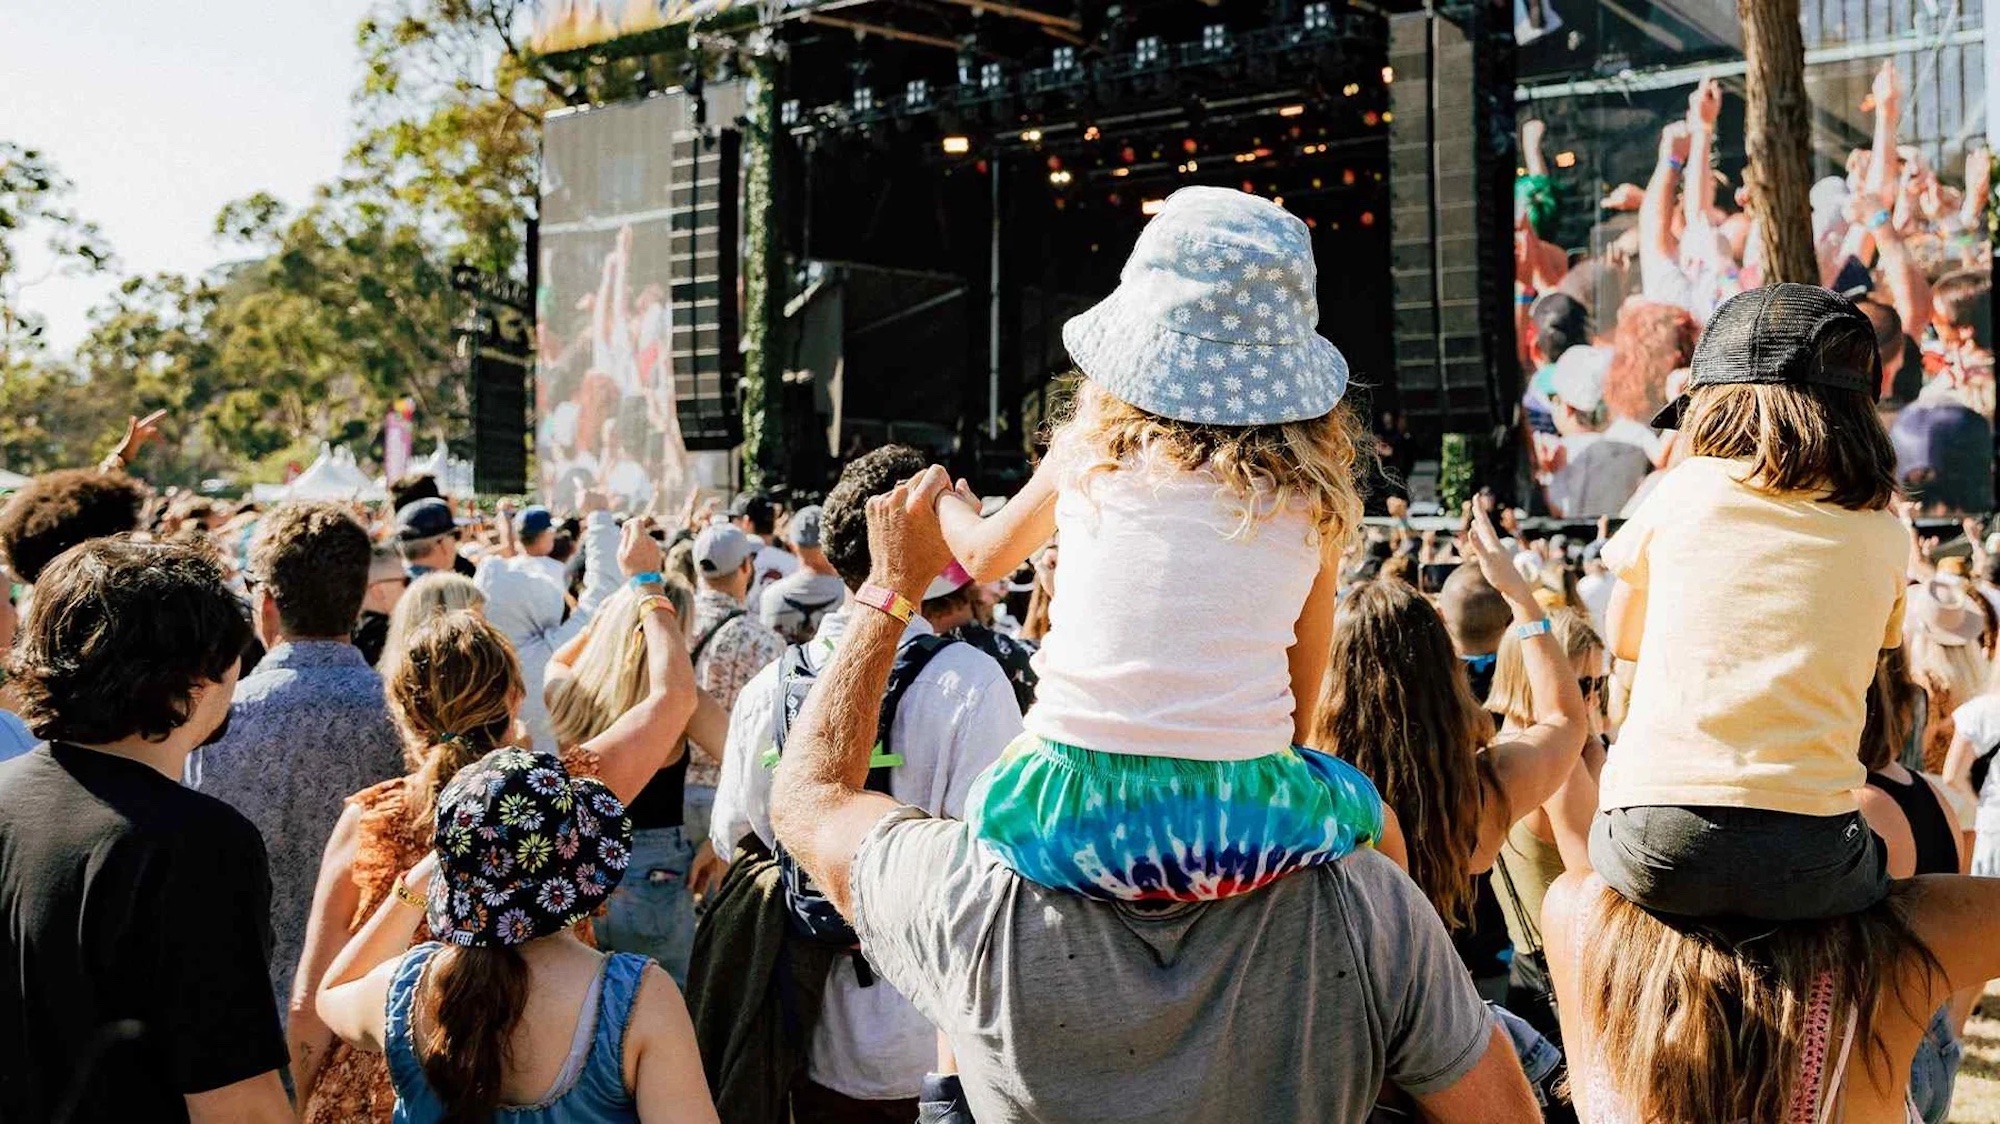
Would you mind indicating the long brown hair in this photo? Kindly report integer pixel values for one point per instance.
(1397, 706)
(1689, 1027)
(469, 1005)
(1819, 440)
(1892, 709)
(453, 696)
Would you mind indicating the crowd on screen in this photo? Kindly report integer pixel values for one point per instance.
(1606, 340)
(1157, 791)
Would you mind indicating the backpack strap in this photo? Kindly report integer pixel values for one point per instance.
(912, 657)
(701, 645)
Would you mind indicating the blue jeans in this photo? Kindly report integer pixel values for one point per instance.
(652, 912)
(1935, 1069)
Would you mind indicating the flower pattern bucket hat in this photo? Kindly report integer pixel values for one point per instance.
(1213, 318)
(524, 850)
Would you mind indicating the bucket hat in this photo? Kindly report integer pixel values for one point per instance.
(1212, 321)
(524, 850)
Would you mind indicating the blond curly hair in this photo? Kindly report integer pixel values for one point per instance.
(1260, 470)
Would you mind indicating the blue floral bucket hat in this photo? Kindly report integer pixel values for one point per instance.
(524, 850)
(1212, 321)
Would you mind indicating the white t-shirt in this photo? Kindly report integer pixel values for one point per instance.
(1978, 722)
(954, 720)
(1169, 629)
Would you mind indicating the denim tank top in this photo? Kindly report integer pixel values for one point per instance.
(597, 1095)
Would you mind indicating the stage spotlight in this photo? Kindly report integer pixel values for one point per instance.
(788, 113)
(1148, 50)
(1388, 75)
(1121, 173)
(1090, 133)
(1065, 60)
(1351, 89)
(1151, 206)
(1214, 37)
(864, 99)
(1292, 111)
(990, 77)
(917, 94)
(957, 145)
(1031, 136)
(1319, 17)
(1060, 178)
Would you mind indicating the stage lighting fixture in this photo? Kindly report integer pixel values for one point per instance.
(1292, 111)
(1065, 60)
(1060, 178)
(788, 113)
(957, 146)
(1151, 206)
(1388, 75)
(864, 99)
(1148, 51)
(1214, 37)
(1351, 89)
(1319, 16)
(1031, 136)
(1121, 173)
(917, 94)
(989, 77)
(1090, 133)
(1565, 159)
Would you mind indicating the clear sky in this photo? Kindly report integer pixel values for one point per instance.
(161, 111)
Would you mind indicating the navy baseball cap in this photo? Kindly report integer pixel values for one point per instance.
(533, 521)
(425, 519)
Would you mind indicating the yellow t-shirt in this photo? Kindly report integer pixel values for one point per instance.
(1764, 615)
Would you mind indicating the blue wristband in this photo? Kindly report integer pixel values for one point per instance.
(1676, 165)
(1533, 629)
(650, 577)
(1877, 221)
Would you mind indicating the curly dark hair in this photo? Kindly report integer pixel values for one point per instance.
(58, 510)
(844, 516)
(411, 487)
(313, 559)
(119, 637)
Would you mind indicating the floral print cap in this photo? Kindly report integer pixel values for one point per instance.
(524, 850)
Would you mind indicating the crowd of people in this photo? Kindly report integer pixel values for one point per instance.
(871, 811)
(1607, 337)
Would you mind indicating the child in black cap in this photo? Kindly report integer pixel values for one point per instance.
(1755, 588)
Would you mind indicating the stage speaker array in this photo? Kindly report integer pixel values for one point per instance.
(1451, 206)
(705, 205)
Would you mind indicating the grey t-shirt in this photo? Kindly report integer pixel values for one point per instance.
(1294, 1002)
(793, 605)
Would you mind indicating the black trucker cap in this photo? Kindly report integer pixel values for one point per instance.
(1776, 335)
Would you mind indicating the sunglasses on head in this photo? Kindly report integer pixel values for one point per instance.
(1590, 684)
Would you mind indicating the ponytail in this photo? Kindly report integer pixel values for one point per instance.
(441, 762)
(470, 1000)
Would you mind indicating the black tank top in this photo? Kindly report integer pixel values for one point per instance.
(1930, 825)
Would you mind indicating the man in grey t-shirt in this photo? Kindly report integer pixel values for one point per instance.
(1294, 1002)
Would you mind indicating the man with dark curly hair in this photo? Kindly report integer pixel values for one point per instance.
(138, 932)
(58, 510)
(870, 1050)
(311, 724)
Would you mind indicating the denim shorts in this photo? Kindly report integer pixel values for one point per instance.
(1728, 862)
(652, 912)
(1934, 1070)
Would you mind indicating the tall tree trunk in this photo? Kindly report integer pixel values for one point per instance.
(1779, 132)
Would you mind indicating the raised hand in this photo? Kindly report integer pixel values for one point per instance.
(905, 543)
(1675, 142)
(1481, 544)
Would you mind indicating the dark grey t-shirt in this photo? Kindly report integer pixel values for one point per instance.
(1295, 1002)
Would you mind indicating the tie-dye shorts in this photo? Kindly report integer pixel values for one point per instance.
(1126, 827)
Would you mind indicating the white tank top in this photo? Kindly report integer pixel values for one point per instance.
(1169, 628)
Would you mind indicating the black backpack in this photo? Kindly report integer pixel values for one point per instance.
(809, 913)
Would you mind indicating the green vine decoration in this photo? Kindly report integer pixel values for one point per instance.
(763, 431)
(1456, 471)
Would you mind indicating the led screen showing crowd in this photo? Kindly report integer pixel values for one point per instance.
(607, 376)
(1634, 220)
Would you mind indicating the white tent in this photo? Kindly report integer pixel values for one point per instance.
(12, 481)
(333, 476)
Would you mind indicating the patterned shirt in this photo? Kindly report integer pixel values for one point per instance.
(309, 728)
(740, 648)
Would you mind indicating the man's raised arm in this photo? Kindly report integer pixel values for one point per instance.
(820, 809)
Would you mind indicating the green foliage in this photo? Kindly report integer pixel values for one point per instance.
(340, 307)
(1457, 471)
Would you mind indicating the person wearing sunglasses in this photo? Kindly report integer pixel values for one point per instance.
(387, 582)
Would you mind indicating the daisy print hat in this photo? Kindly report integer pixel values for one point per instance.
(1213, 318)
